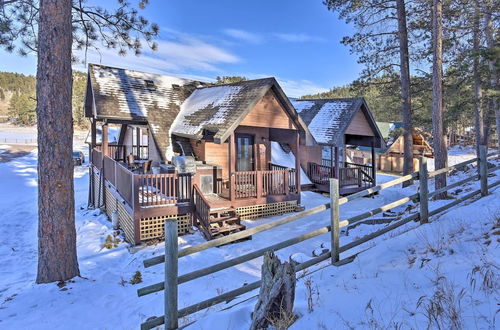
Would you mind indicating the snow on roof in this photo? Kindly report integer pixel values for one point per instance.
(218, 108)
(133, 93)
(214, 103)
(130, 95)
(302, 105)
(327, 119)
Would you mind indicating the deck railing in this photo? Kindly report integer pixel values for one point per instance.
(319, 173)
(252, 184)
(245, 184)
(144, 190)
(274, 182)
(124, 183)
(202, 207)
(163, 189)
(366, 173)
(353, 174)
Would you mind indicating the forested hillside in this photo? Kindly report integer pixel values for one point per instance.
(18, 100)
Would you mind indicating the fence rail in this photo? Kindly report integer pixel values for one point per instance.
(172, 280)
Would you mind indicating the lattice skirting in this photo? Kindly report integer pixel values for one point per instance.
(154, 227)
(125, 220)
(98, 194)
(266, 210)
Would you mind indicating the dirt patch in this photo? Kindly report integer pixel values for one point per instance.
(14, 151)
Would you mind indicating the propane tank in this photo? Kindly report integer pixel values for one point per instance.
(114, 219)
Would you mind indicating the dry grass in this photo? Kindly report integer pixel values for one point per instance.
(443, 310)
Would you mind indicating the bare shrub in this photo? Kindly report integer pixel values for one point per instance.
(443, 309)
(312, 293)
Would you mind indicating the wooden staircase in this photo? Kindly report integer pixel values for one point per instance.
(215, 222)
(223, 222)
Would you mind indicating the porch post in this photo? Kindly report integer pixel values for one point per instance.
(374, 167)
(332, 168)
(232, 167)
(104, 140)
(93, 134)
(297, 165)
(337, 171)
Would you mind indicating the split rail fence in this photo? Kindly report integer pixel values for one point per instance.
(172, 278)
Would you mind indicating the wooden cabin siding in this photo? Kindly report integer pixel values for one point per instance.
(198, 147)
(359, 125)
(153, 152)
(310, 154)
(268, 112)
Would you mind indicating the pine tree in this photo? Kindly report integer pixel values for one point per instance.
(52, 28)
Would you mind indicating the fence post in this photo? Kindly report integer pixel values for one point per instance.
(334, 217)
(483, 170)
(423, 177)
(171, 273)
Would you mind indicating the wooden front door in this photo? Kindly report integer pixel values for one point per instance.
(244, 152)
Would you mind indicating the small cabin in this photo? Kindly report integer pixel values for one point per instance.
(391, 159)
(203, 154)
(336, 125)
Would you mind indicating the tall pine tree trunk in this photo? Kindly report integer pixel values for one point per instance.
(492, 66)
(56, 207)
(404, 59)
(440, 149)
(478, 110)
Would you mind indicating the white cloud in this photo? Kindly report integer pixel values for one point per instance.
(244, 35)
(298, 88)
(292, 88)
(298, 37)
(179, 53)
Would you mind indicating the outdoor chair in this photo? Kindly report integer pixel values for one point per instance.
(131, 164)
(146, 166)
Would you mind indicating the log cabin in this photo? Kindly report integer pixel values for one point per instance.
(203, 154)
(391, 158)
(192, 151)
(336, 124)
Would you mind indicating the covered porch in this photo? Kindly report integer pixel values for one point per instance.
(352, 177)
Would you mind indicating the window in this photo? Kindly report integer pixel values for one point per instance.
(244, 152)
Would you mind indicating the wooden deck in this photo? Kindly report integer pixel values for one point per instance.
(352, 177)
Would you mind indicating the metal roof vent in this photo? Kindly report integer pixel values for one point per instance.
(150, 84)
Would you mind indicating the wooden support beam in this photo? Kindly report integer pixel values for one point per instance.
(104, 140)
(297, 165)
(374, 161)
(93, 134)
(336, 176)
(232, 168)
(332, 163)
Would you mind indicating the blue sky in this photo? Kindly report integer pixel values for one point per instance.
(296, 41)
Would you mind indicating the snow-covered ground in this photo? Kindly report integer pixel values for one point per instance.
(380, 289)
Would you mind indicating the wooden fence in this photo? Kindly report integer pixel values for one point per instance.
(172, 279)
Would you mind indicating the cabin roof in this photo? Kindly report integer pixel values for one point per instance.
(127, 95)
(328, 119)
(219, 109)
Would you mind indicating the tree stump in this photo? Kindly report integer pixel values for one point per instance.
(276, 296)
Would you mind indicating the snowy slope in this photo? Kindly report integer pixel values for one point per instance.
(280, 157)
(103, 299)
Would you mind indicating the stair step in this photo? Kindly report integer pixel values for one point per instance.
(222, 210)
(224, 219)
(231, 228)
